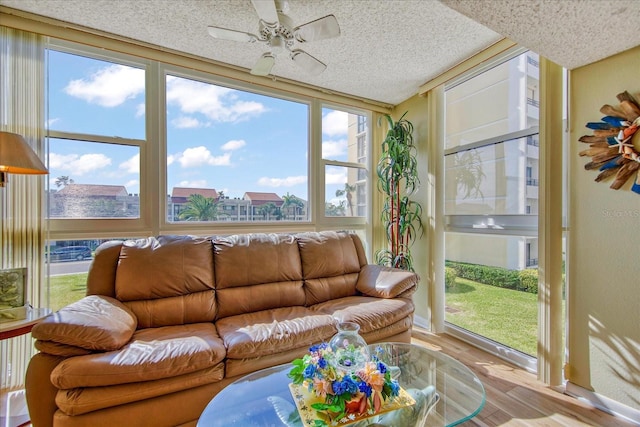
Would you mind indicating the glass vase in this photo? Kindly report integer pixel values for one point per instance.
(350, 350)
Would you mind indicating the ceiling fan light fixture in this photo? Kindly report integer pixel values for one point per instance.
(277, 44)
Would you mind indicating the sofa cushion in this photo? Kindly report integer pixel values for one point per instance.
(78, 401)
(95, 322)
(57, 349)
(247, 299)
(385, 282)
(257, 272)
(165, 266)
(152, 354)
(197, 307)
(369, 312)
(273, 331)
(330, 265)
(327, 254)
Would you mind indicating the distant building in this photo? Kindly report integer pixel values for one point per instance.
(93, 201)
(259, 202)
(180, 197)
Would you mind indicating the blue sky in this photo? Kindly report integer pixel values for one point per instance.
(230, 140)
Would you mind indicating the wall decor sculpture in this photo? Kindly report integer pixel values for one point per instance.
(614, 147)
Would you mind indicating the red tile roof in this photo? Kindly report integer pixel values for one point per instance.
(91, 190)
(185, 192)
(262, 198)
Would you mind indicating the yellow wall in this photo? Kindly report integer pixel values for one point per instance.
(417, 115)
(604, 247)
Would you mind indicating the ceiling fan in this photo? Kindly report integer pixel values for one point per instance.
(276, 30)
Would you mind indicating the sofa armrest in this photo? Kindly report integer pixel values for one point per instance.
(386, 282)
(96, 322)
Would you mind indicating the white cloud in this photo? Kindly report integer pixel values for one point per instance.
(109, 86)
(78, 165)
(332, 149)
(184, 122)
(132, 165)
(335, 123)
(216, 103)
(50, 122)
(336, 176)
(200, 156)
(140, 110)
(202, 183)
(172, 158)
(134, 183)
(289, 181)
(234, 144)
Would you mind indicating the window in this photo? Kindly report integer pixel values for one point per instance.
(491, 201)
(234, 155)
(96, 128)
(344, 154)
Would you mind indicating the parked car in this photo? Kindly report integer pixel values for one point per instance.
(69, 253)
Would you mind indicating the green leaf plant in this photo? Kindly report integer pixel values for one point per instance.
(398, 180)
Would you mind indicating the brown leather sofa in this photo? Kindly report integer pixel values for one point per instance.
(169, 321)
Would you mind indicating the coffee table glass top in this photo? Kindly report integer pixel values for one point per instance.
(263, 399)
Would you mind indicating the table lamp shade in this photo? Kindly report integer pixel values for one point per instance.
(17, 157)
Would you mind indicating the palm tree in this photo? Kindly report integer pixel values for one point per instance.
(200, 208)
(63, 180)
(292, 203)
(348, 189)
(267, 210)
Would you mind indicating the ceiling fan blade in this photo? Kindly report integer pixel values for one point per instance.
(323, 28)
(308, 62)
(266, 10)
(264, 65)
(227, 34)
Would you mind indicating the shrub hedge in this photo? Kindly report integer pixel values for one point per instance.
(520, 280)
(450, 276)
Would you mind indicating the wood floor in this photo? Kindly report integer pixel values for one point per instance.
(514, 396)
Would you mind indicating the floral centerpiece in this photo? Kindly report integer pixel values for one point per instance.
(344, 394)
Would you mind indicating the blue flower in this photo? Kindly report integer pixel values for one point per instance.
(365, 388)
(350, 385)
(395, 388)
(322, 363)
(309, 371)
(338, 387)
(382, 367)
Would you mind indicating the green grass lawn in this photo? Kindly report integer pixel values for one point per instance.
(67, 289)
(503, 315)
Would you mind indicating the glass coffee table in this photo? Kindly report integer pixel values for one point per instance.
(447, 393)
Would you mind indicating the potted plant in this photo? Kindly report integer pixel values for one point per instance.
(398, 180)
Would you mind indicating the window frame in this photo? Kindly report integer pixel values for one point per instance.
(153, 211)
(520, 225)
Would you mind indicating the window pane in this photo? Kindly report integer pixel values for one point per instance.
(494, 293)
(499, 179)
(499, 101)
(234, 155)
(345, 193)
(95, 97)
(93, 180)
(491, 204)
(68, 265)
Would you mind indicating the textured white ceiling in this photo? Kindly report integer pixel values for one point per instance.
(571, 33)
(386, 49)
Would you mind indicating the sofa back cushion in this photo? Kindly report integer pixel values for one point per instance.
(255, 272)
(167, 280)
(330, 265)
